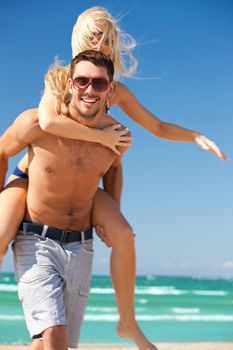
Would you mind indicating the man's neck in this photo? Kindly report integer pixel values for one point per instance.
(94, 122)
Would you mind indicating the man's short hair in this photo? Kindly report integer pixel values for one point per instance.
(95, 57)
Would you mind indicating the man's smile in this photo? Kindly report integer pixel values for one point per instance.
(89, 100)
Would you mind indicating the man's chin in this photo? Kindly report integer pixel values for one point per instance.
(88, 115)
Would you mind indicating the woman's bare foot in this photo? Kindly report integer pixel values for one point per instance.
(133, 332)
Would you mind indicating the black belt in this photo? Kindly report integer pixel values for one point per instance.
(62, 236)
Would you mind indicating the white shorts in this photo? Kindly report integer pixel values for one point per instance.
(53, 283)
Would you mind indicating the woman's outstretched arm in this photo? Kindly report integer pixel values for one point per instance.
(63, 126)
(124, 98)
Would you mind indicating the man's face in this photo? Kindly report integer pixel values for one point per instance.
(88, 100)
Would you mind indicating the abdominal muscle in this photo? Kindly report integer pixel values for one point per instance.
(64, 215)
(60, 204)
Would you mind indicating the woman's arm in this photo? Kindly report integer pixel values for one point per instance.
(63, 126)
(134, 109)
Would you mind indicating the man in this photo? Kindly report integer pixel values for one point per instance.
(54, 274)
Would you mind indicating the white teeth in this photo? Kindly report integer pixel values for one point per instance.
(89, 100)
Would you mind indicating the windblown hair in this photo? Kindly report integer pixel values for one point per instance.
(88, 27)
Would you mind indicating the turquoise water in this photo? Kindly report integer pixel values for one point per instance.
(168, 309)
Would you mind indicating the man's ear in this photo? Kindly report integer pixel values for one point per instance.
(70, 85)
(110, 89)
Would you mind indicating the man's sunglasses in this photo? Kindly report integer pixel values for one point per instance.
(98, 84)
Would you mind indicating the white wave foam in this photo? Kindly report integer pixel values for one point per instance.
(8, 288)
(115, 317)
(143, 290)
(138, 291)
(11, 317)
(179, 310)
(102, 291)
(181, 318)
(93, 309)
(159, 291)
(101, 309)
(142, 301)
(210, 292)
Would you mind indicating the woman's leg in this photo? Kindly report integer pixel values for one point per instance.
(12, 207)
(120, 237)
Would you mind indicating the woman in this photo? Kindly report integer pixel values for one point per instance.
(95, 28)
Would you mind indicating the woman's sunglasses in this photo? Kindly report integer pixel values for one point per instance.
(98, 84)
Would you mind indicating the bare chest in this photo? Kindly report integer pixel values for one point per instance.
(57, 155)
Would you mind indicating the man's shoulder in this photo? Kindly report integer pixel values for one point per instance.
(26, 126)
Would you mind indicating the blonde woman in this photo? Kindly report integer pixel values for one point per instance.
(96, 28)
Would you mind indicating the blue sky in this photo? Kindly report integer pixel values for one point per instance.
(177, 197)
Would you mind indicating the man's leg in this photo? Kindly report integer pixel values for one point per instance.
(36, 345)
(53, 338)
(121, 238)
(40, 287)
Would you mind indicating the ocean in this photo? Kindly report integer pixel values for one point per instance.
(176, 309)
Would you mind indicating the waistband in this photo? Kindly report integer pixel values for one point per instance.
(62, 236)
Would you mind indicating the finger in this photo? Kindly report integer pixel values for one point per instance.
(218, 152)
(124, 144)
(118, 128)
(125, 139)
(114, 149)
(124, 131)
(212, 147)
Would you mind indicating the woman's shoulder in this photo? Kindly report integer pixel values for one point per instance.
(119, 91)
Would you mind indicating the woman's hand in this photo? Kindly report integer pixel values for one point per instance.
(116, 135)
(210, 146)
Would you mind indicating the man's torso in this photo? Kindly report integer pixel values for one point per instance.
(63, 178)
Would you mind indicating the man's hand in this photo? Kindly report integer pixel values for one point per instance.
(100, 232)
(114, 137)
(210, 146)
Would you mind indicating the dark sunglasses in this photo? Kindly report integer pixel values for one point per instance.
(98, 84)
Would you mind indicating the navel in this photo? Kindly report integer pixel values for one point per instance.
(70, 212)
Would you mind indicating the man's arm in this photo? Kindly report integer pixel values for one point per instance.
(19, 135)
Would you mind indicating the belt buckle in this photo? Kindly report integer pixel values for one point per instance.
(64, 236)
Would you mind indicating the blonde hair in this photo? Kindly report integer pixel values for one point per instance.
(89, 24)
(95, 23)
(56, 79)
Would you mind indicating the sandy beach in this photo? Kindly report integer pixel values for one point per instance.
(161, 346)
